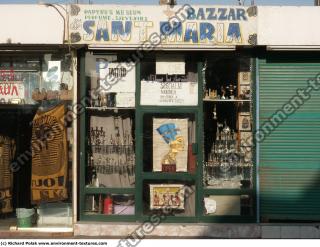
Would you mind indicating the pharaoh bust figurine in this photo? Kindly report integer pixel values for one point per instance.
(176, 146)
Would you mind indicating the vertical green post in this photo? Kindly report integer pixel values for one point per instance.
(139, 147)
(256, 145)
(82, 136)
(199, 177)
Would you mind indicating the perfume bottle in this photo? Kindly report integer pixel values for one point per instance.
(214, 113)
(223, 92)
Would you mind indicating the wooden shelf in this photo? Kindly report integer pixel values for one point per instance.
(211, 165)
(112, 145)
(226, 100)
(103, 218)
(216, 191)
(103, 190)
(18, 106)
(168, 176)
(105, 108)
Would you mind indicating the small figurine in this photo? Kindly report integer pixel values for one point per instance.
(213, 94)
(214, 113)
(206, 95)
(231, 90)
(103, 99)
(223, 92)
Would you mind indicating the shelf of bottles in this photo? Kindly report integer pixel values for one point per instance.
(228, 162)
(229, 165)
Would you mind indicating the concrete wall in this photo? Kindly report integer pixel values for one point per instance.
(218, 230)
(31, 24)
(289, 26)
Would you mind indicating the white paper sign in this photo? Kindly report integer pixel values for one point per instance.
(11, 90)
(170, 143)
(170, 66)
(116, 77)
(52, 77)
(169, 93)
(54, 72)
(210, 205)
(125, 99)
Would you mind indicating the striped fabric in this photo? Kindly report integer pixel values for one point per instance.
(49, 156)
(7, 151)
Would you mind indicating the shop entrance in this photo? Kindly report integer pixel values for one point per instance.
(35, 141)
(15, 184)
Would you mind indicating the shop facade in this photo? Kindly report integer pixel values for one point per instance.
(165, 115)
(38, 79)
(171, 115)
(241, 81)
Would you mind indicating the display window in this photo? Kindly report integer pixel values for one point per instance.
(109, 121)
(228, 205)
(168, 80)
(228, 127)
(110, 204)
(169, 135)
(168, 140)
(228, 123)
(112, 149)
(36, 140)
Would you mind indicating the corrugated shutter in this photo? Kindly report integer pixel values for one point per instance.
(290, 155)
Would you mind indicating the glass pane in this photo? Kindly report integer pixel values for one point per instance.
(111, 81)
(232, 205)
(32, 79)
(111, 159)
(111, 204)
(168, 141)
(228, 123)
(110, 121)
(169, 80)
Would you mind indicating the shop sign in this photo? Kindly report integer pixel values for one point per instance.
(169, 93)
(115, 77)
(11, 91)
(164, 26)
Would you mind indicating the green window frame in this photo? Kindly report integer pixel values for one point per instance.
(141, 176)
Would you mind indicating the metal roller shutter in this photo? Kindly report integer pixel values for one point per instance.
(290, 155)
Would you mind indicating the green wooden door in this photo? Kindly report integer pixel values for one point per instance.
(290, 152)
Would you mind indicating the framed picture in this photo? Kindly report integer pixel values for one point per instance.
(244, 91)
(244, 121)
(245, 139)
(247, 151)
(244, 78)
(170, 145)
(167, 196)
